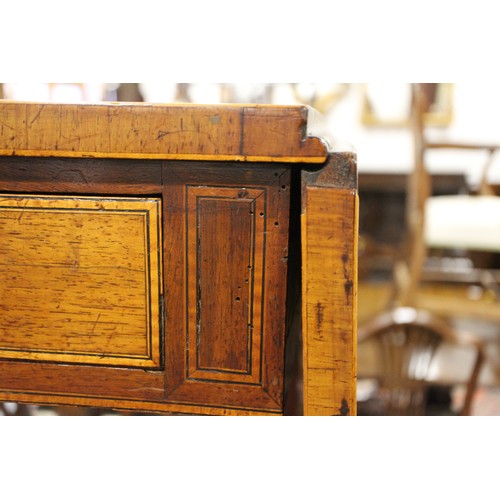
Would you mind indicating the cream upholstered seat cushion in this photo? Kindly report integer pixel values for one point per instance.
(466, 222)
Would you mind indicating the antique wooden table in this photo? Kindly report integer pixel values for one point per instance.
(177, 259)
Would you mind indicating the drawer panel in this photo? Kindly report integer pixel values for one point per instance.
(225, 283)
(81, 280)
(225, 266)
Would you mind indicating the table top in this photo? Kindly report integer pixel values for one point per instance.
(236, 132)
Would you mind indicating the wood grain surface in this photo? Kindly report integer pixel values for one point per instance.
(227, 288)
(144, 257)
(156, 131)
(80, 176)
(75, 288)
(225, 271)
(329, 289)
(238, 373)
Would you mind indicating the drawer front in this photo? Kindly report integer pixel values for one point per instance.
(153, 285)
(225, 319)
(81, 280)
(225, 258)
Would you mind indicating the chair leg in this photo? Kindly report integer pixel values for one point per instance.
(472, 385)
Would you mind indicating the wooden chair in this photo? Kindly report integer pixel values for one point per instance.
(469, 222)
(408, 340)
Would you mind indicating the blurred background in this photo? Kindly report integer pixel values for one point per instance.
(429, 229)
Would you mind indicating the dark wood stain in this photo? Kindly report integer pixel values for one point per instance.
(319, 316)
(225, 247)
(344, 409)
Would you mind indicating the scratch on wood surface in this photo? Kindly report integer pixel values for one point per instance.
(161, 133)
(79, 138)
(96, 322)
(23, 211)
(37, 115)
(164, 133)
(8, 126)
(72, 171)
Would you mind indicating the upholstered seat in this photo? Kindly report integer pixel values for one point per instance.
(463, 222)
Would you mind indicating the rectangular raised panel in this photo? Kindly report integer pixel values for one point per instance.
(81, 280)
(226, 257)
(225, 229)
